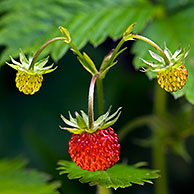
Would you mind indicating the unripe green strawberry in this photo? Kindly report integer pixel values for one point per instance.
(27, 83)
(29, 77)
(172, 79)
(170, 69)
(95, 151)
(94, 148)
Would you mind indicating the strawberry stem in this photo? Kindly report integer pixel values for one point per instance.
(100, 97)
(42, 48)
(153, 44)
(75, 50)
(91, 101)
(103, 190)
(159, 148)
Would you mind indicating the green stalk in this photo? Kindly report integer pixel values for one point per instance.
(159, 147)
(100, 100)
(116, 50)
(91, 101)
(75, 50)
(100, 97)
(113, 56)
(103, 190)
(42, 48)
(153, 44)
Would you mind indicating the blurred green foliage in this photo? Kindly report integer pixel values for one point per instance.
(15, 179)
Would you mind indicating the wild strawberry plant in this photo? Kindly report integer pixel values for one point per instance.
(94, 145)
(169, 68)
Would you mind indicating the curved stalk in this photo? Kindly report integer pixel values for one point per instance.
(100, 96)
(91, 101)
(153, 44)
(75, 50)
(42, 48)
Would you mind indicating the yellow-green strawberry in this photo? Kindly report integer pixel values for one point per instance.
(171, 76)
(29, 77)
(93, 149)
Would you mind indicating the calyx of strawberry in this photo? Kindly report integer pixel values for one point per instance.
(174, 60)
(85, 123)
(80, 123)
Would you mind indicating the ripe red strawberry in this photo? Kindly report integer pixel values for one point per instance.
(95, 151)
(97, 148)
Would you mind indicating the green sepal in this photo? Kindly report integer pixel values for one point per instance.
(72, 130)
(71, 118)
(103, 74)
(127, 35)
(108, 62)
(88, 64)
(156, 57)
(102, 118)
(42, 62)
(112, 122)
(176, 53)
(167, 52)
(68, 122)
(24, 65)
(15, 62)
(114, 114)
(66, 34)
(80, 122)
(151, 64)
(18, 68)
(84, 116)
(24, 61)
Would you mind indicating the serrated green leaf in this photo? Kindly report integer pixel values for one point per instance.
(86, 21)
(14, 178)
(119, 176)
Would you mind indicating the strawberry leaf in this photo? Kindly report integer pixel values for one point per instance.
(86, 21)
(119, 176)
(14, 178)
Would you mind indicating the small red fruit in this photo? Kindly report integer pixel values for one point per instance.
(95, 151)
